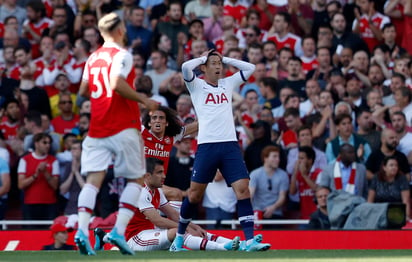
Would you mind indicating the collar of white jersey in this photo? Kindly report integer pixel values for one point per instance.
(112, 44)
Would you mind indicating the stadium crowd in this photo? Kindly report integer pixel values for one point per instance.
(328, 107)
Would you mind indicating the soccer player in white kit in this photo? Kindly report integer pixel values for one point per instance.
(114, 130)
(218, 146)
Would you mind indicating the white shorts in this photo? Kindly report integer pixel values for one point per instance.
(127, 149)
(148, 240)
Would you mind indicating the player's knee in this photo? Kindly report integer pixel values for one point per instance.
(173, 194)
(195, 197)
(242, 192)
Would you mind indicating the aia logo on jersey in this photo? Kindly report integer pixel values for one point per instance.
(216, 99)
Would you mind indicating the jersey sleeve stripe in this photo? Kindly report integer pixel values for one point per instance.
(193, 78)
(243, 77)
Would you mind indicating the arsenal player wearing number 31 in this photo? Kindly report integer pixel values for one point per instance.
(114, 130)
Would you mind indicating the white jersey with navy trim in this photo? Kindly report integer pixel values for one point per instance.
(213, 104)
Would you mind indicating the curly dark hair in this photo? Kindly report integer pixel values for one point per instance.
(174, 126)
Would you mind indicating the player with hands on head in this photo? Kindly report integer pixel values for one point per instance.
(218, 147)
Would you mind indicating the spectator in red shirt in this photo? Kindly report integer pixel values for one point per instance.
(303, 180)
(35, 24)
(38, 177)
(67, 120)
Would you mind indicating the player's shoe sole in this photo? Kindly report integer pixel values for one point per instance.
(99, 235)
(233, 245)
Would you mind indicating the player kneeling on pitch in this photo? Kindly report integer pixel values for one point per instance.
(148, 230)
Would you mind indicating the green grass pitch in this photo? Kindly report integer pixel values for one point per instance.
(271, 255)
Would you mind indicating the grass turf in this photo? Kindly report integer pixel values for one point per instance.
(272, 255)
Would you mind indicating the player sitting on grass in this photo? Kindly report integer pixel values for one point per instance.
(147, 230)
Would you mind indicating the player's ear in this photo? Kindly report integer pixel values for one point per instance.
(203, 68)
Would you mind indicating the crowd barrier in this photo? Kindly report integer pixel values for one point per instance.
(279, 239)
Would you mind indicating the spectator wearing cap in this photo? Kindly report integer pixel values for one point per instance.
(60, 236)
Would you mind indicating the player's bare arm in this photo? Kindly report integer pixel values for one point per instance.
(159, 221)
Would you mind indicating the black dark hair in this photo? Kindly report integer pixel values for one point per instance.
(151, 163)
(309, 152)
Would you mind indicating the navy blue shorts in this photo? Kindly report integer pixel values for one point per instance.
(225, 156)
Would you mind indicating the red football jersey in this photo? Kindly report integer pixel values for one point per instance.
(39, 192)
(111, 113)
(306, 194)
(157, 148)
(365, 31)
(291, 41)
(235, 10)
(62, 126)
(38, 29)
(309, 63)
(9, 130)
(148, 199)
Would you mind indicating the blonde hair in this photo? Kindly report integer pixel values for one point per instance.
(109, 23)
